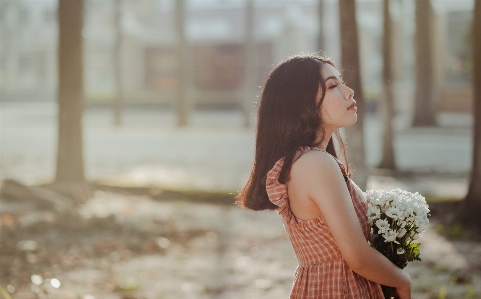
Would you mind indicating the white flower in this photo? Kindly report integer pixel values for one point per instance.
(401, 233)
(408, 212)
(383, 225)
(376, 197)
(410, 219)
(373, 213)
(390, 236)
(393, 213)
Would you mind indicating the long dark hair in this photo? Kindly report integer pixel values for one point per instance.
(288, 118)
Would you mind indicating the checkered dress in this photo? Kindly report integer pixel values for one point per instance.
(322, 271)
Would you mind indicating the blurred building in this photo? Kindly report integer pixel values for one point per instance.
(215, 32)
(28, 38)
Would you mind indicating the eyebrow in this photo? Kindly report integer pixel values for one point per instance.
(334, 77)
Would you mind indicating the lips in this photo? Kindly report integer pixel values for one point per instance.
(352, 106)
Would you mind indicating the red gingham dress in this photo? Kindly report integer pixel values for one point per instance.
(322, 272)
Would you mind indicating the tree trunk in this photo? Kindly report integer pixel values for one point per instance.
(250, 71)
(181, 101)
(320, 36)
(425, 106)
(117, 57)
(350, 62)
(70, 163)
(387, 161)
(472, 201)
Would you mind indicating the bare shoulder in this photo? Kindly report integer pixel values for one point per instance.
(315, 180)
(316, 174)
(315, 162)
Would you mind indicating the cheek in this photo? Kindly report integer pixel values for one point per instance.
(334, 112)
(326, 112)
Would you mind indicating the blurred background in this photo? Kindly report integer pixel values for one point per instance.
(128, 126)
(132, 75)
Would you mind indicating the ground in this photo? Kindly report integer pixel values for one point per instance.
(140, 246)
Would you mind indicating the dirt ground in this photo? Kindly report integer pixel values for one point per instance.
(132, 246)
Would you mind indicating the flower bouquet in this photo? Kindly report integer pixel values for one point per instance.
(398, 219)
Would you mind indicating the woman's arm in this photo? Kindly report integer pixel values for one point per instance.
(317, 176)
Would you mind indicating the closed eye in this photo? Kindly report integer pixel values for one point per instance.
(333, 86)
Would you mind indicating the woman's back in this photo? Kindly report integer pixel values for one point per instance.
(322, 271)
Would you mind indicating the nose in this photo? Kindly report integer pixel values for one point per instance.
(349, 93)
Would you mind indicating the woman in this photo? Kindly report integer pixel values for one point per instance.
(297, 173)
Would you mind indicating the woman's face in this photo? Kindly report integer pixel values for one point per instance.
(339, 107)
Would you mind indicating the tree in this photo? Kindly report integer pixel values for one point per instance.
(69, 176)
(320, 36)
(70, 163)
(250, 71)
(350, 62)
(387, 104)
(425, 105)
(472, 202)
(182, 71)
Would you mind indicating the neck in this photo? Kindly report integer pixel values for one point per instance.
(327, 136)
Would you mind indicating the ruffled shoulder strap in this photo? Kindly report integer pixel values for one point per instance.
(277, 192)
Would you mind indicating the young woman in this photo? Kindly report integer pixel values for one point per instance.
(297, 172)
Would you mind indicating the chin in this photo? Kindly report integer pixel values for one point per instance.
(353, 121)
